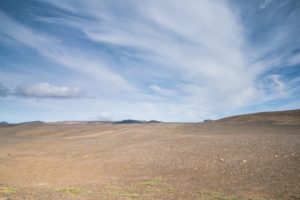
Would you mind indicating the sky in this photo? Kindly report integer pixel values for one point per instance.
(168, 60)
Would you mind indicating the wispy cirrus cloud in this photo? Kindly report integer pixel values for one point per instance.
(168, 60)
(178, 37)
(72, 58)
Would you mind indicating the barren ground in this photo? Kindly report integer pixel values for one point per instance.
(214, 160)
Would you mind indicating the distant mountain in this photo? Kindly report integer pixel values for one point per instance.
(126, 121)
(98, 122)
(289, 117)
(5, 124)
(129, 121)
(31, 122)
(133, 121)
(207, 120)
(154, 121)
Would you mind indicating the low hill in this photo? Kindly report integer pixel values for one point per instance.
(289, 117)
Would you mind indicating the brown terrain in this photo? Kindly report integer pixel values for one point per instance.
(244, 157)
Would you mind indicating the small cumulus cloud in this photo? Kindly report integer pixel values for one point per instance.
(46, 90)
(106, 116)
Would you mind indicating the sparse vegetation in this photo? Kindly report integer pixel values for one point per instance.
(212, 195)
(151, 182)
(73, 191)
(123, 192)
(147, 187)
(8, 189)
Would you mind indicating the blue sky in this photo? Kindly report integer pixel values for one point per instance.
(167, 60)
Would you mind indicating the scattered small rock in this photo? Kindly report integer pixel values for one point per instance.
(221, 159)
(244, 161)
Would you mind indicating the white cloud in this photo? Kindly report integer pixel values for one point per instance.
(180, 60)
(45, 90)
(106, 116)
